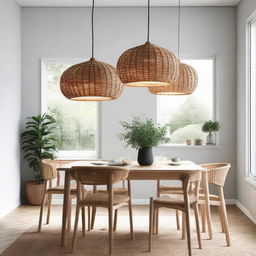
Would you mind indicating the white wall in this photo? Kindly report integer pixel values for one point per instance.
(65, 33)
(10, 105)
(244, 193)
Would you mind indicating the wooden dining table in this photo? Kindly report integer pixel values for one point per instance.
(156, 171)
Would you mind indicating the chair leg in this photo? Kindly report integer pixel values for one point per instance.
(115, 219)
(183, 236)
(151, 223)
(197, 226)
(93, 216)
(41, 213)
(130, 217)
(224, 215)
(187, 215)
(154, 221)
(221, 220)
(110, 228)
(83, 220)
(69, 215)
(49, 208)
(157, 220)
(89, 218)
(177, 220)
(203, 216)
(75, 228)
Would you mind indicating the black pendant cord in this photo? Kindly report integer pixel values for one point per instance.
(179, 31)
(92, 23)
(148, 20)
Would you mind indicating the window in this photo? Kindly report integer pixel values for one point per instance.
(252, 95)
(76, 122)
(186, 114)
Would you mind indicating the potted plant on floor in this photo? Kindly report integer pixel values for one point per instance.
(210, 127)
(143, 134)
(38, 142)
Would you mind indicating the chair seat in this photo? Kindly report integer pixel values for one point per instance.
(211, 197)
(60, 189)
(101, 199)
(117, 190)
(173, 199)
(170, 189)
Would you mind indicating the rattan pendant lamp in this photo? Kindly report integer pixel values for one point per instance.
(187, 81)
(148, 65)
(91, 80)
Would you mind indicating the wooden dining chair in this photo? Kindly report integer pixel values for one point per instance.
(100, 175)
(52, 187)
(217, 173)
(123, 190)
(181, 202)
(167, 190)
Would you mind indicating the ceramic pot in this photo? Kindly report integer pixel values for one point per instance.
(145, 156)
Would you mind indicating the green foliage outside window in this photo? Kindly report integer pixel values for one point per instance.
(76, 122)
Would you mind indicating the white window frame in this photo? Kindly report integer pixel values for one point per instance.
(69, 154)
(214, 101)
(249, 175)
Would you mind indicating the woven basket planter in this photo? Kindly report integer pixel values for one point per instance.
(186, 83)
(148, 65)
(91, 81)
(34, 192)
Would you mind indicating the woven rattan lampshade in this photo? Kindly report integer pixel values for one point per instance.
(148, 65)
(186, 83)
(91, 81)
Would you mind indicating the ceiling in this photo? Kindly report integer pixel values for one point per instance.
(127, 2)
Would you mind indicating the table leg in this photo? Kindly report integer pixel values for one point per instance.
(65, 207)
(207, 203)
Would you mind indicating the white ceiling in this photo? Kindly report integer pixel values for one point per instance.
(127, 2)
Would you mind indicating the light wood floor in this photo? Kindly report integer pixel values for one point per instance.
(25, 219)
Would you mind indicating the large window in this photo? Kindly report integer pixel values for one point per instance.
(186, 114)
(76, 128)
(252, 95)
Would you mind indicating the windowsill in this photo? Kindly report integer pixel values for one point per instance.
(76, 155)
(189, 146)
(251, 181)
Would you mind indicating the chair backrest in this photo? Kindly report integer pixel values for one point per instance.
(99, 175)
(49, 169)
(217, 173)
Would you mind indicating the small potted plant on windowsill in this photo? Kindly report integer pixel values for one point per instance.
(143, 134)
(210, 127)
(38, 142)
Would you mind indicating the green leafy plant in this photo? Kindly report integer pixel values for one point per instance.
(211, 126)
(38, 142)
(143, 133)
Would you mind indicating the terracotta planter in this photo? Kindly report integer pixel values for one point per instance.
(34, 192)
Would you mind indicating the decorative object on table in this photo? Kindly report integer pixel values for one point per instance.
(143, 134)
(210, 127)
(198, 142)
(38, 143)
(187, 80)
(148, 64)
(175, 159)
(91, 80)
(189, 142)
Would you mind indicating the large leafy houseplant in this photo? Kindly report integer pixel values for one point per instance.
(143, 134)
(38, 142)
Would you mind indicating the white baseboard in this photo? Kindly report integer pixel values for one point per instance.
(59, 201)
(245, 211)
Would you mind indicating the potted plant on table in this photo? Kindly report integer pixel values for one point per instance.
(143, 134)
(38, 142)
(210, 127)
